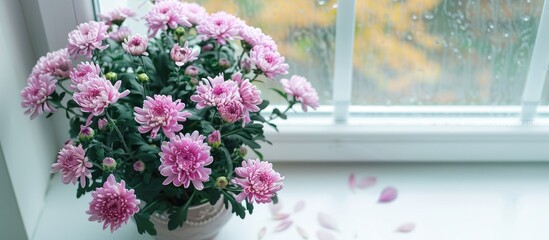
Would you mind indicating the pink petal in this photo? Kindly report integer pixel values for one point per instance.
(280, 216)
(299, 206)
(302, 232)
(406, 228)
(352, 182)
(366, 182)
(283, 225)
(275, 208)
(327, 221)
(261, 233)
(324, 235)
(388, 195)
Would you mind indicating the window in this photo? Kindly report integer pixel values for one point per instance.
(412, 75)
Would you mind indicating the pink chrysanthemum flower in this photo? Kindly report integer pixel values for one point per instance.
(96, 94)
(183, 160)
(113, 204)
(117, 15)
(220, 26)
(82, 72)
(250, 95)
(215, 91)
(56, 63)
(161, 113)
(87, 38)
(258, 180)
(302, 91)
(136, 45)
(231, 111)
(73, 165)
(268, 61)
(120, 34)
(164, 14)
(194, 12)
(254, 36)
(182, 55)
(36, 94)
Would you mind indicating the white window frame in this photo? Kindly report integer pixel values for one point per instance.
(343, 132)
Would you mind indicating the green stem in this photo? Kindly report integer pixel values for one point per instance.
(65, 89)
(240, 59)
(148, 205)
(256, 75)
(97, 165)
(143, 64)
(66, 109)
(285, 111)
(118, 132)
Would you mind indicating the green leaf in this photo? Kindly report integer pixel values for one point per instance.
(259, 154)
(72, 104)
(144, 224)
(62, 95)
(281, 93)
(207, 127)
(251, 143)
(149, 65)
(275, 199)
(74, 127)
(236, 207)
(277, 112)
(178, 217)
(263, 104)
(250, 207)
(229, 161)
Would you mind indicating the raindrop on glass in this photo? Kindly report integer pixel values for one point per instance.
(428, 16)
(526, 19)
(506, 35)
(414, 17)
(409, 37)
(321, 2)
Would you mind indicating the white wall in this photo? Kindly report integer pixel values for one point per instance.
(27, 145)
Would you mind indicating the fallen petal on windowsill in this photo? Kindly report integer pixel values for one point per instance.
(388, 194)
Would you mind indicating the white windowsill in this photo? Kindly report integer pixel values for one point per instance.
(504, 201)
(411, 134)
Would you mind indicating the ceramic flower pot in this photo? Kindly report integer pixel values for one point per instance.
(203, 223)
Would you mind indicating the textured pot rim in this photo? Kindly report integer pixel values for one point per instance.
(156, 217)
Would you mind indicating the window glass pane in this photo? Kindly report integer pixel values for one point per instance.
(303, 29)
(436, 52)
(545, 93)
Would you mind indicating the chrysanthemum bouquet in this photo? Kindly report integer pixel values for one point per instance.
(163, 122)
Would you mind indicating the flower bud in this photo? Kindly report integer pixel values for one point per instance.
(207, 47)
(194, 81)
(179, 31)
(69, 142)
(221, 182)
(109, 164)
(214, 139)
(242, 151)
(224, 63)
(102, 124)
(191, 71)
(139, 166)
(246, 65)
(143, 78)
(86, 133)
(111, 76)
